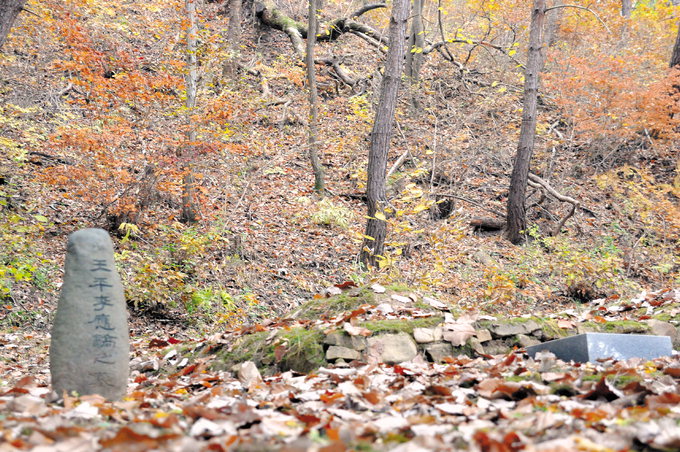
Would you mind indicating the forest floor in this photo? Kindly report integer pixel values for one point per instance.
(181, 401)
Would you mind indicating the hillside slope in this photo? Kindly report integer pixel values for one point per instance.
(93, 116)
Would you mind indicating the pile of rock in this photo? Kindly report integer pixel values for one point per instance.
(456, 337)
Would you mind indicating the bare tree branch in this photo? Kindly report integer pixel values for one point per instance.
(585, 8)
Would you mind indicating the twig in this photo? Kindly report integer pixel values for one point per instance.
(284, 113)
(372, 41)
(400, 161)
(243, 195)
(440, 23)
(434, 152)
(585, 8)
(29, 12)
(483, 44)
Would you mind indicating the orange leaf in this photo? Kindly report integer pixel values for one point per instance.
(333, 434)
(329, 397)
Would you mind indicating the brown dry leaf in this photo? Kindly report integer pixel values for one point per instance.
(356, 330)
(603, 390)
(458, 333)
(128, 439)
(565, 324)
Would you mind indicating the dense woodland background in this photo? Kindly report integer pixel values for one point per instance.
(210, 193)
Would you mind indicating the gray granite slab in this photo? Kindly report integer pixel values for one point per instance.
(590, 347)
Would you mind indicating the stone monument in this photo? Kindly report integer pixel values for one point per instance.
(590, 347)
(89, 349)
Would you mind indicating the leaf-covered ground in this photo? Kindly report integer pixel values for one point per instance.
(489, 403)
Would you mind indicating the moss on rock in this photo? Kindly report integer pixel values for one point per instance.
(302, 351)
(401, 325)
(332, 306)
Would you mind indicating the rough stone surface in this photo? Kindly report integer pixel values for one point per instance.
(393, 348)
(496, 347)
(437, 351)
(550, 333)
(515, 328)
(89, 350)
(427, 335)
(339, 352)
(660, 328)
(593, 346)
(344, 340)
(476, 345)
(483, 336)
(526, 341)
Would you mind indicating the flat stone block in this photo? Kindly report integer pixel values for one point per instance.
(339, 352)
(344, 340)
(590, 347)
(437, 351)
(427, 335)
(392, 348)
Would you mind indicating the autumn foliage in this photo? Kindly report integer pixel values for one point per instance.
(102, 144)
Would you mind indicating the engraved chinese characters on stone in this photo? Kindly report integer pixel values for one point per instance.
(89, 351)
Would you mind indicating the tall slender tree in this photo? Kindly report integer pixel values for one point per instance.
(675, 57)
(233, 8)
(516, 211)
(189, 211)
(313, 151)
(376, 228)
(9, 10)
(626, 8)
(414, 54)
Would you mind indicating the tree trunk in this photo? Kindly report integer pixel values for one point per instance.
(675, 58)
(233, 37)
(9, 10)
(414, 54)
(319, 185)
(552, 24)
(376, 228)
(188, 213)
(626, 8)
(234, 31)
(516, 214)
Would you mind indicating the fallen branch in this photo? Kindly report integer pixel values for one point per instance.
(487, 224)
(273, 17)
(40, 158)
(339, 71)
(400, 161)
(370, 40)
(474, 203)
(560, 197)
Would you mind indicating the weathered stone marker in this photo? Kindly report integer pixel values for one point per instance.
(89, 350)
(593, 346)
